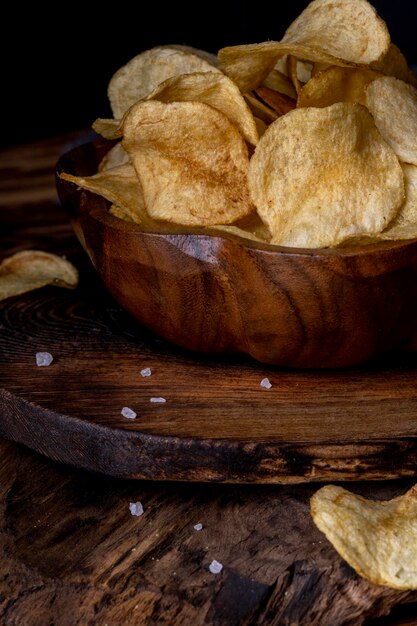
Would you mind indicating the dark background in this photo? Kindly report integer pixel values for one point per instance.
(57, 63)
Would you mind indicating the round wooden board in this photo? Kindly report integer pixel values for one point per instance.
(217, 424)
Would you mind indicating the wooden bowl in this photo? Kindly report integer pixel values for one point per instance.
(222, 293)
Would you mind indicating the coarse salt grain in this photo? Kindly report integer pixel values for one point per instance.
(136, 508)
(215, 567)
(198, 526)
(145, 372)
(157, 400)
(266, 383)
(128, 413)
(43, 359)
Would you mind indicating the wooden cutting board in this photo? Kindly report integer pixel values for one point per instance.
(217, 424)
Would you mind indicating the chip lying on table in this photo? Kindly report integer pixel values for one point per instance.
(306, 142)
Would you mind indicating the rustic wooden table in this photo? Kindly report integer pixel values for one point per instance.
(70, 550)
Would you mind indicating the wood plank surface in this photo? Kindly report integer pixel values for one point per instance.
(70, 551)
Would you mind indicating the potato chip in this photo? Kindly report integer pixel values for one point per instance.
(352, 30)
(214, 89)
(124, 214)
(119, 185)
(260, 110)
(191, 160)
(404, 225)
(277, 101)
(142, 74)
(333, 32)
(319, 176)
(278, 81)
(235, 230)
(260, 126)
(299, 72)
(393, 103)
(394, 64)
(108, 128)
(249, 65)
(377, 539)
(32, 269)
(337, 84)
(115, 156)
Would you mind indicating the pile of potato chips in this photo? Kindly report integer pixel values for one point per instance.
(308, 142)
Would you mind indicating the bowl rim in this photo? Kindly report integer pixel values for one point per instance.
(98, 209)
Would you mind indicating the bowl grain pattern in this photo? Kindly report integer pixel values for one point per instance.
(221, 293)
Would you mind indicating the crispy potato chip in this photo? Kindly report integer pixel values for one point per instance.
(352, 30)
(395, 64)
(319, 176)
(260, 126)
(214, 89)
(124, 214)
(191, 160)
(337, 84)
(404, 225)
(299, 72)
(260, 109)
(142, 74)
(115, 156)
(32, 269)
(203, 54)
(249, 65)
(119, 185)
(377, 539)
(235, 230)
(108, 128)
(277, 101)
(393, 103)
(278, 81)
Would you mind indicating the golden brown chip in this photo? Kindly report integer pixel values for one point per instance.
(124, 214)
(319, 176)
(249, 65)
(191, 160)
(404, 225)
(235, 230)
(337, 84)
(108, 128)
(352, 30)
(393, 103)
(278, 81)
(214, 89)
(142, 74)
(260, 126)
(32, 269)
(377, 539)
(395, 64)
(119, 185)
(260, 110)
(277, 101)
(115, 156)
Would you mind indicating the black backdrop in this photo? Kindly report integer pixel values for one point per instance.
(56, 63)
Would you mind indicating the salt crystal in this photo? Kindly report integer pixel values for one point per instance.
(126, 412)
(215, 567)
(266, 383)
(157, 400)
(43, 359)
(145, 372)
(136, 508)
(198, 526)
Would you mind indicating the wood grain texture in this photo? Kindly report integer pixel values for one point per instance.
(70, 552)
(217, 424)
(216, 294)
